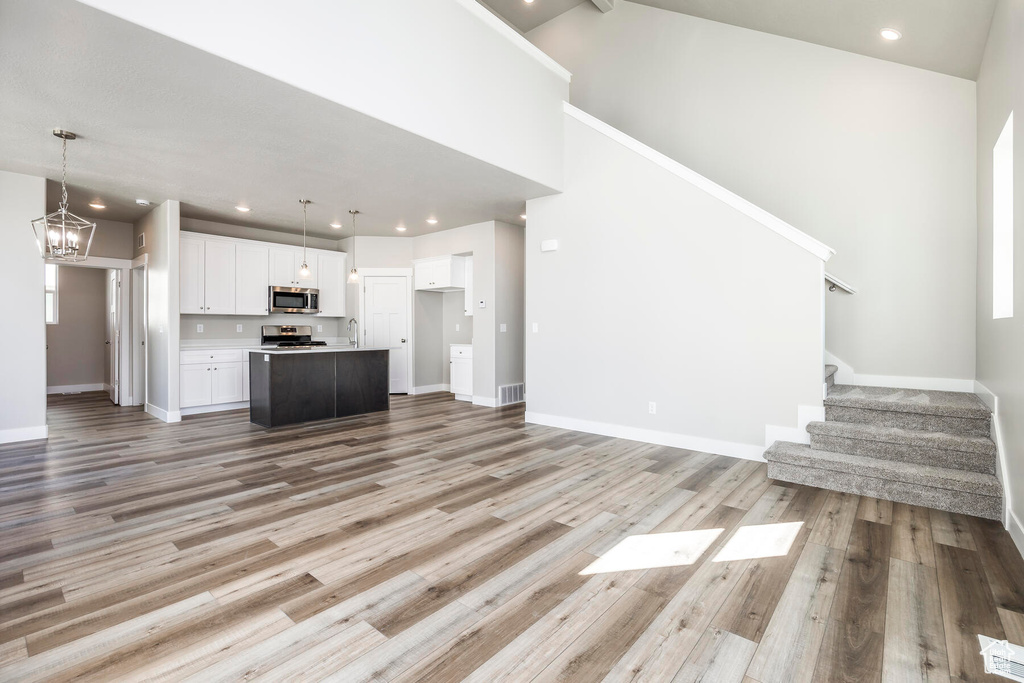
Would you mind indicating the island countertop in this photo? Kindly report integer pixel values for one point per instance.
(330, 348)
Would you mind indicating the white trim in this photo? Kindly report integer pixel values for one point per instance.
(486, 401)
(846, 375)
(1016, 530)
(992, 401)
(840, 284)
(163, 415)
(469, 399)
(695, 443)
(407, 273)
(75, 388)
(99, 262)
(773, 223)
(24, 434)
(429, 389)
(804, 416)
(140, 261)
(516, 38)
(215, 408)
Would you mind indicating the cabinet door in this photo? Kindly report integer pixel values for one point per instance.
(422, 275)
(331, 282)
(191, 275)
(441, 275)
(462, 376)
(469, 285)
(228, 385)
(252, 279)
(220, 277)
(196, 385)
(284, 271)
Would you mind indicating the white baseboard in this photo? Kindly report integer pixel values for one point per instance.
(693, 443)
(163, 415)
(846, 375)
(992, 402)
(75, 388)
(216, 408)
(463, 397)
(486, 401)
(1016, 530)
(429, 389)
(24, 434)
(804, 416)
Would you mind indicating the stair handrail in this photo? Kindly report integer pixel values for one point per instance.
(834, 283)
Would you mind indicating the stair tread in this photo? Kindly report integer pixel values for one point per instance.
(981, 445)
(944, 403)
(830, 370)
(909, 473)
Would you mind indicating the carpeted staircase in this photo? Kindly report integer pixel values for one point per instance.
(929, 448)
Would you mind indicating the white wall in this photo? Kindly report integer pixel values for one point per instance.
(875, 159)
(436, 68)
(661, 292)
(509, 303)
(162, 226)
(1001, 342)
(22, 350)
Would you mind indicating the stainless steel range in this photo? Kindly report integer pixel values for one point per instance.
(289, 337)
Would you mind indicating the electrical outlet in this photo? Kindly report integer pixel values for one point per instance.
(238, 328)
(457, 327)
(504, 327)
(652, 408)
(199, 327)
(319, 328)
(536, 327)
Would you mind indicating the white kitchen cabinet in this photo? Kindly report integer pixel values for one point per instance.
(192, 271)
(285, 263)
(332, 274)
(469, 285)
(206, 276)
(462, 371)
(228, 385)
(252, 279)
(441, 274)
(196, 385)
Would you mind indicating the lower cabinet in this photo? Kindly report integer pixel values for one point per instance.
(462, 371)
(209, 378)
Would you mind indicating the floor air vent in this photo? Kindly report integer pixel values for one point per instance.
(1003, 658)
(511, 393)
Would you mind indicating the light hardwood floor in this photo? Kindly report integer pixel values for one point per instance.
(446, 542)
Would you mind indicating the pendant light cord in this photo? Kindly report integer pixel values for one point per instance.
(304, 203)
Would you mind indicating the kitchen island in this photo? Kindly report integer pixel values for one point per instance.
(290, 386)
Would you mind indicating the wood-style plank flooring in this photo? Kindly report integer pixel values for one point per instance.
(446, 542)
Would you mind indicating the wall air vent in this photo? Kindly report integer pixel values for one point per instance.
(1002, 658)
(511, 393)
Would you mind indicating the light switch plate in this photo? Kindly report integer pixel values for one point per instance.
(536, 327)
(456, 327)
(319, 328)
(199, 327)
(483, 304)
(504, 327)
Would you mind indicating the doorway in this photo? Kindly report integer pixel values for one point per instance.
(113, 341)
(385, 303)
(138, 335)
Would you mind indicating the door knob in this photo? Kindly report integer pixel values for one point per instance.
(403, 341)
(107, 343)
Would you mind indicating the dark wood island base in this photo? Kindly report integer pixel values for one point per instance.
(290, 387)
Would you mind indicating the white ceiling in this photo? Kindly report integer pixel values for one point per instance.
(947, 36)
(161, 120)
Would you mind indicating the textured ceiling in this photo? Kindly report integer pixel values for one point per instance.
(947, 36)
(161, 120)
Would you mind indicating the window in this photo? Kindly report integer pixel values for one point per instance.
(1002, 223)
(50, 280)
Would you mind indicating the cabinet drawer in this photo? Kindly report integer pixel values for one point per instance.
(194, 357)
(462, 351)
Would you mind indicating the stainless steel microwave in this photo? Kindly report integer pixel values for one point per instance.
(294, 300)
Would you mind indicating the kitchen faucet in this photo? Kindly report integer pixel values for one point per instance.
(355, 341)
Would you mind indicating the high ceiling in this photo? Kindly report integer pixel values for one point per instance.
(160, 120)
(947, 36)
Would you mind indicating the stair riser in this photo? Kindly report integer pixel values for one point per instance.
(830, 381)
(964, 426)
(883, 450)
(957, 502)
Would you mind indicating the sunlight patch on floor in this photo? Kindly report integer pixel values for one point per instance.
(649, 551)
(758, 541)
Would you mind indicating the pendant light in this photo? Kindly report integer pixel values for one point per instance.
(304, 269)
(353, 275)
(63, 233)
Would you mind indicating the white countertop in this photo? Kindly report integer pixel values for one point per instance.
(246, 344)
(330, 348)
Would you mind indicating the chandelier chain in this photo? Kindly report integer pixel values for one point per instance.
(64, 176)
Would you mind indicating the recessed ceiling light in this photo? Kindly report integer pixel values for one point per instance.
(97, 205)
(528, 2)
(432, 221)
(336, 226)
(400, 228)
(142, 202)
(243, 209)
(891, 34)
(523, 216)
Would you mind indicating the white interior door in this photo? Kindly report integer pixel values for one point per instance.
(113, 330)
(138, 308)
(387, 323)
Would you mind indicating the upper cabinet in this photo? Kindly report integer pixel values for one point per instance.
(207, 277)
(469, 285)
(440, 274)
(225, 276)
(331, 273)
